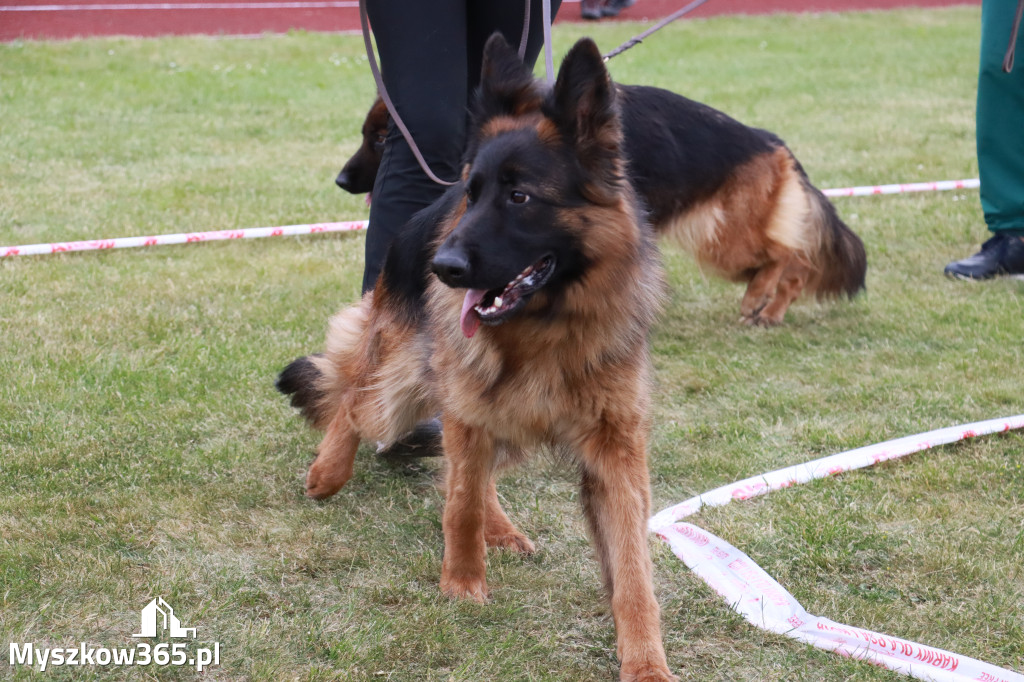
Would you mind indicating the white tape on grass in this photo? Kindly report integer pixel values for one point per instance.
(181, 238)
(941, 186)
(250, 233)
(763, 602)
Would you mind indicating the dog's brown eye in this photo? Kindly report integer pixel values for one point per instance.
(518, 197)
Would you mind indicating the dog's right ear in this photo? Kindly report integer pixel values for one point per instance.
(507, 87)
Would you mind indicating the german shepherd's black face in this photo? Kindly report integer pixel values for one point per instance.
(531, 164)
(509, 244)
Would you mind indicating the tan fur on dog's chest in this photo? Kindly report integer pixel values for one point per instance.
(523, 387)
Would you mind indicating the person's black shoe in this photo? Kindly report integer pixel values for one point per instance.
(1000, 255)
(613, 7)
(424, 441)
(590, 9)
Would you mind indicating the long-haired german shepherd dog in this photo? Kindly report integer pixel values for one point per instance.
(733, 196)
(518, 306)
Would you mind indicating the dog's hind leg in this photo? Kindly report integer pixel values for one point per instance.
(618, 503)
(469, 455)
(333, 465)
(499, 531)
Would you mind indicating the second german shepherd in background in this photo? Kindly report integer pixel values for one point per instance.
(733, 196)
(531, 332)
(359, 172)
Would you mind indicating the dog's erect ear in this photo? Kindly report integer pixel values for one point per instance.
(583, 107)
(507, 87)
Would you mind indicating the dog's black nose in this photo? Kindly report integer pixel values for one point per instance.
(343, 180)
(451, 265)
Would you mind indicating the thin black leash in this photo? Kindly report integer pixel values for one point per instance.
(636, 40)
(393, 111)
(383, 92)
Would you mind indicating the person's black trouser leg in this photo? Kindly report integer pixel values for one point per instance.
(430, 54)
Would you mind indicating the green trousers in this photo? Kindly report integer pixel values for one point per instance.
(1000, 121)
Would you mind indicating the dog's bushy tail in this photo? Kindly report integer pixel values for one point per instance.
(303, 380)
(316, 383)
(840, 260)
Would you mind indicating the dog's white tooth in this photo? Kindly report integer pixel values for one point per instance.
(497, 302)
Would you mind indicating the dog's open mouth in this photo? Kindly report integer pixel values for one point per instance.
(494, 306)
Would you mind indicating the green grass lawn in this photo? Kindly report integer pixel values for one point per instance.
(144, 451)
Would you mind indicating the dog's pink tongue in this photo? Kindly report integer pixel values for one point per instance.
(469, 321)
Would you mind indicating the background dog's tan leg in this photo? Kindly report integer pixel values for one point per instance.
(618, 503)
(469, 455)
(332, 467)
(499, 531)
(791, 283)
(761, 290)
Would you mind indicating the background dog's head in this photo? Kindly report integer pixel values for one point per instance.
(541, 168)
(360, 171)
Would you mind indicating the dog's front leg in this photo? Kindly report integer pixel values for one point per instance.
(469, 456)
(617, 502)
(333, 465)
(761, 292)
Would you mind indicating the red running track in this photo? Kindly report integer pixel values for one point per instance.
(40, 19)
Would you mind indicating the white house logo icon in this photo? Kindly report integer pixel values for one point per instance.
(158, 615)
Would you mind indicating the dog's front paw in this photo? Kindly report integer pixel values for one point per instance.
(516, 541)
(323, 481)
(758, 320)
(646, 672)
(474, 589)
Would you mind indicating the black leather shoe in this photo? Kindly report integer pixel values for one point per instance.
(1000, 255)
(613, 7)
(590, 9)
(424, 441)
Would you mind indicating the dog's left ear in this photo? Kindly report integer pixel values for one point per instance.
(507, 87)
(583, 107)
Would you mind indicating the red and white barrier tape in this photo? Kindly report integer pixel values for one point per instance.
(763, 602)
(941, 186)
(256, 232)
(182, 238)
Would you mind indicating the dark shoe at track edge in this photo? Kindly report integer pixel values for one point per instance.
(613, 7)
(590, 9)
